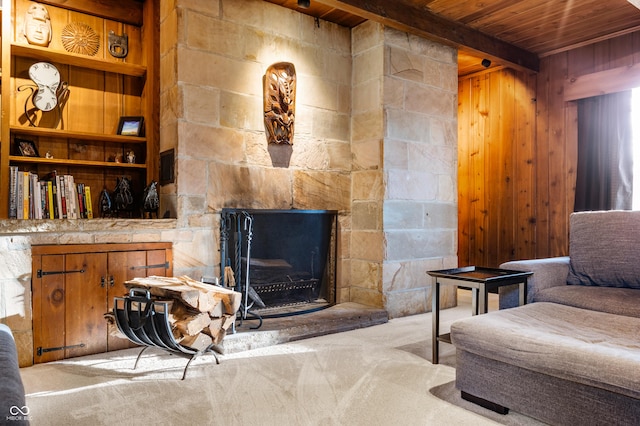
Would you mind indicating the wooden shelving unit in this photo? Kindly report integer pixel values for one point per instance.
(81, 140)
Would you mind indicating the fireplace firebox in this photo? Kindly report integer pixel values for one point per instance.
(282, 261)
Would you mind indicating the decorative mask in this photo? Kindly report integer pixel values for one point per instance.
(118, 45)
(37, 25)
(280, 102)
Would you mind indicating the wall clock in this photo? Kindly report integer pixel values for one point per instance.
(47, 77)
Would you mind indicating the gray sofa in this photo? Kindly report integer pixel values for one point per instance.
(13, 409)
(572, 354)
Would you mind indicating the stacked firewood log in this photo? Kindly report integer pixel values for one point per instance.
(200, 314)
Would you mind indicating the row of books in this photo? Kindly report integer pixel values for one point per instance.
(52, 197)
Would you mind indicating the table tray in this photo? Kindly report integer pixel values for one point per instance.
(479, 274)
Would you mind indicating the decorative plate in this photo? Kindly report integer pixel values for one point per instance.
(80, 38)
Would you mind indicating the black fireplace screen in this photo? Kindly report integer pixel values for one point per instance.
(291, 257)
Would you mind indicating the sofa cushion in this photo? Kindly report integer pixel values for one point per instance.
(588, 347)
(619, 301)
(604, 249)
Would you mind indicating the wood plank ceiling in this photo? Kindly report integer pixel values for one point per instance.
(508, 32)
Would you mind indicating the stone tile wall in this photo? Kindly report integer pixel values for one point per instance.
(212, 70)
(404, 146)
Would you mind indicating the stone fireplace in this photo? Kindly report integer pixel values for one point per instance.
(286, 257)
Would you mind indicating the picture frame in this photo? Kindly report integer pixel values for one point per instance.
(131, 126)
(167, 167)
(27, 148)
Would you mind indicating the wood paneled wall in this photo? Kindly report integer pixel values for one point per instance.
(517, 154)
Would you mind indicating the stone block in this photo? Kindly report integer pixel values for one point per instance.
(444, 131)
(192, 178)
(318, 92)
(411, 185)
(406, 125)
(209, 7)
(409, 274)
(244, 12)
(112, 237)
(256, 148)
(76, 238)
(24, 346)
(15, 301)
(321, 190)
(447, 189)
(330, 125)
(210, 143)
(402, 214)
(250, 187)
(366, 296)
(333, 37)
(367, 154)
(208, 69)
(396, 154)
(367, 35)
(368, 96)
(241, 112)
(169, 31)
(339, 153)
(146, 237)
(431, 101)
(440, 216)
(406, 65)
(415, 244)
(214, 35)
(14, 263)
(393, 92)
(368, 245)
(367, 215)
(367, 185)
(367, 126)
(441, 159)
(401, 304)
(202, 104)
(365, 274)
(368, 65)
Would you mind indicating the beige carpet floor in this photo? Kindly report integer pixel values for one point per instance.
(381, 375)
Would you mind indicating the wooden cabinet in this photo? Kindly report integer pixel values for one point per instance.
(81, 137)
(73, 287)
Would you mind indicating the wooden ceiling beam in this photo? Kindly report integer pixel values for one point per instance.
(401, 15)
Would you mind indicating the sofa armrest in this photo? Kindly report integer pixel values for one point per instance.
(11, 387)
(548, 272)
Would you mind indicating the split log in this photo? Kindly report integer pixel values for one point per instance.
(189, 323)
(199, 342)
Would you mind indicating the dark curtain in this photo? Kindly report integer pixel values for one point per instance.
(605, 153)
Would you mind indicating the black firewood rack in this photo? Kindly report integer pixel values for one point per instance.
(145, 322)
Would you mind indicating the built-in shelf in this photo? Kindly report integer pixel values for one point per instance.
(45, 54)
(101, 137)
(67, 162)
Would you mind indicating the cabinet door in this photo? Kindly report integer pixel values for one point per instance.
(69, 306)
(48, 308)
(86, 303)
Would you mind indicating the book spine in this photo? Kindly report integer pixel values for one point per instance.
(13, 192)
(26, 182)
(51, 203)
(88, 204)
(59, 198)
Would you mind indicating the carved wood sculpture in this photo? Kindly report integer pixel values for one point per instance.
(280, 102)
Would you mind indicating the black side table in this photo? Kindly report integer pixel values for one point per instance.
(481, 281)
